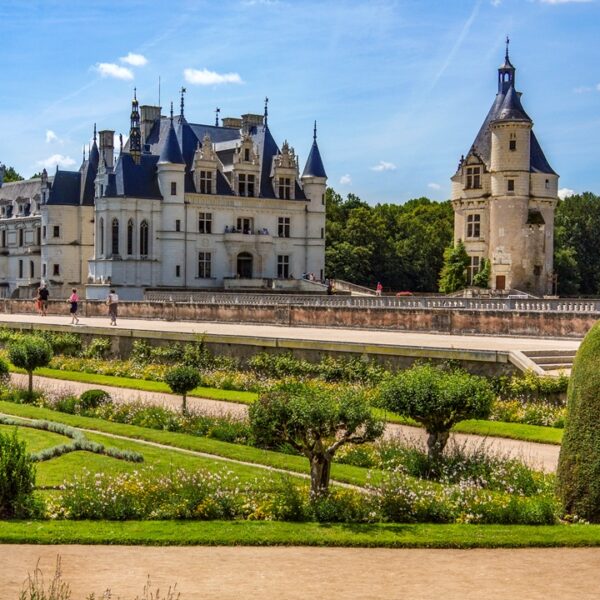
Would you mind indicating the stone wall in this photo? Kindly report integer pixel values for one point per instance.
(438, 320)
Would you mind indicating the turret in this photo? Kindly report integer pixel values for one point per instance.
(171, 167)
(314, 178)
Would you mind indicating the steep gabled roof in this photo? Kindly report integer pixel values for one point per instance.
(66, 188)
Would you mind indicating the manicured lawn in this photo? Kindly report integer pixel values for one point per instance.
(515, 431)
(36, 439)
(263, 533)
(294, 464)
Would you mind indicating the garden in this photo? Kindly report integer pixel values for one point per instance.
(311, 463)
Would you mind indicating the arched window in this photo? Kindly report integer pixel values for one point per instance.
(129, 237)
(115, 236)
(101, 236)
(144, 238)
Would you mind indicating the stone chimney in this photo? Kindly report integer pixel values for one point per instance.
(148, 114)
(107, 147)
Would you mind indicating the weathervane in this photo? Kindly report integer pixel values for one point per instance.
(182, 91)
(217, 111)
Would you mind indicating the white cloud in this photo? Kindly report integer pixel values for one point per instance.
(52, 137)
(564, 1)
(206, 77)
(135, 60)
(565, 193)
(345, 179)
(496, 2)
(434, 186)
(113, 70)
(260, 2)
(56, 160)
(384, 166)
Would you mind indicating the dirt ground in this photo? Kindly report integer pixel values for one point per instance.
(246, 573)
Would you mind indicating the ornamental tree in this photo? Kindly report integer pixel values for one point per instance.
(578, 475)
(454, 272)
(17, 477)
(30, 353)
(182, 380)
(316, 420)
(437, 399)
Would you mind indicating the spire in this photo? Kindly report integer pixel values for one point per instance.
(93, 154)
(266, 119)
(95, 135)
(182, 91)
(135, 132)
(506, 59)
(171, 152)
(84, 153)
(512, 109)
(314, 164)
(506, 72)
(217, 111)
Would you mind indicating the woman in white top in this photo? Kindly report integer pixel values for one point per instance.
(113, 303)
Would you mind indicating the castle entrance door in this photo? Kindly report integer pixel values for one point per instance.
(244, 265)
(501, 282)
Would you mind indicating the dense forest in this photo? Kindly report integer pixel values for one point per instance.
(402, 245)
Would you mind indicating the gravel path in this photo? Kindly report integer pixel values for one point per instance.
(540, 456)
(211, 573)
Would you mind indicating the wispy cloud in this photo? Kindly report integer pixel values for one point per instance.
(384, 166)
(56, 160)
(565, 1)
(135, 60)
(434, 186)
(565, 193)
(114, 70)
(206, 77)
(345, 180)
(52, 137)
(260, 2)
(495, 2)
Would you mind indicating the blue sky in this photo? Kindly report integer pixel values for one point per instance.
(399, 88)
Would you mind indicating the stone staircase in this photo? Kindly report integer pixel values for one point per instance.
(552, 362)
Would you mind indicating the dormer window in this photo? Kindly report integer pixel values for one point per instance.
(206, 186)
(246, 184)
(247, 154)
(473, 178)
(285, 188)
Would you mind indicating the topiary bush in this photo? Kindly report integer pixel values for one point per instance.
(92, 399)
(182, 380)
(30, 353)
(578, 482)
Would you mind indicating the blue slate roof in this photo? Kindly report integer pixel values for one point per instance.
(66, 188)
(138, 181)
(171, 152)
(512, 109)
(89, 170)
(314, 165)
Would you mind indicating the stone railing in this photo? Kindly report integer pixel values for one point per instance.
(382, 302)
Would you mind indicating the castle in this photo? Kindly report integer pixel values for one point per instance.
(182, 206)
(504, 194)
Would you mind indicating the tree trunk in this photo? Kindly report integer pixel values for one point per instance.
(184, 404)
(320, 468)
(30, 374)
(436, 442)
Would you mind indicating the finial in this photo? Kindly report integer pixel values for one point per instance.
(266, 110)
(84, 153)
(171, 112)
(120, 142)
(315, 132)
(182, 91)
(135, 94)
(507, 43)
(217, 111)
(94, 133)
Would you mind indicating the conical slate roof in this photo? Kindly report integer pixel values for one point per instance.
(512, 109)
(314, 165)
(171, 152)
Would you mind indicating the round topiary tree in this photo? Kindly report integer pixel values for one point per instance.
(30, 353)
(437, 399)
(182, 380)
(578, 475)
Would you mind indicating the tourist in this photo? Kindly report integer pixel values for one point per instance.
(379, 288)
(43, 295)
(74, 301)
(38, 302)
(113, 302)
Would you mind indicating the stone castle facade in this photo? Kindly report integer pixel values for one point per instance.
(504, 195)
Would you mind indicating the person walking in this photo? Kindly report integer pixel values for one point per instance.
(43, 295)
(38, 302)
(74, 300)
(113, 303)
(379, 288)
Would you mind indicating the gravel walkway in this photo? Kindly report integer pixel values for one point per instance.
(540, 456)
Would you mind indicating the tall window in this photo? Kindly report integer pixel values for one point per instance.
(205, 222)
(101, 234)
(510, 185)
(129, 237)
(283, 266)
(4, 238)
(285, 188)
(473, 268)
(206, 182)
(144, 238)
(44, 269)
(204, 265)
(20, 237)
(173, 188)
(31, 269)
(512, 145)
(247, 154)
(56, 231)
(474, 226)
(115, 237)
(38, 236)
(246, 184)
(473, 177)
(56, 270)
(20, 268)
(283, 227)
(244, 225)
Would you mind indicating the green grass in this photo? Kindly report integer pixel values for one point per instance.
(294, 464)
(515, 431)
(36, 439)
(264, 533)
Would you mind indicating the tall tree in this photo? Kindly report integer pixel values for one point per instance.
(454, 272)
(11, 175)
